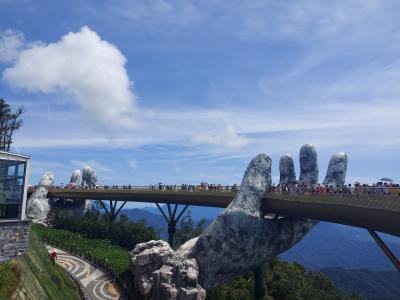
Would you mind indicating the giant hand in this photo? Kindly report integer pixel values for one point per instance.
(239, 239)
(37, 207)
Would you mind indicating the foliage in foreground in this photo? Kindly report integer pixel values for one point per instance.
(113, 255)
(284, 281)
(97, 226)
(187, 229)
(10, 276)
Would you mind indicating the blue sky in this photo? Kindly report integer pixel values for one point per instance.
(189, 91)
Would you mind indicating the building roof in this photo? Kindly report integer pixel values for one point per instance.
(14, 155)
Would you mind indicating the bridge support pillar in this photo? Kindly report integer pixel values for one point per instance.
(259, 283)
(113, 212)
(385, 249)
(172, 221)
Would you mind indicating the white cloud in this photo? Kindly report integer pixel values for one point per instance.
(230, 138)
(82, 65)
(133, 164)
(11, 43)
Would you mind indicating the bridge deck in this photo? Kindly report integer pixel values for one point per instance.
(373, 212)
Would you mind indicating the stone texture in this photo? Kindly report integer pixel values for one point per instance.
(287, 170)
(337, 169)
(308, 164)
(38, 207)
(239, 239)
(89, 177)
(159, 275)
(13, 239)
(75, 178)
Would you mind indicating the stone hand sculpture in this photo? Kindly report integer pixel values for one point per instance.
(75, 178)
(38, 206)
(89, 177)
(71, 207)
(238, 240)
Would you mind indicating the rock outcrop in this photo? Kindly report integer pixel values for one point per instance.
(159, 275)
(38, 206)
(239, 239)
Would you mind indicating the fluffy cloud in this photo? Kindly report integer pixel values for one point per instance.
(230, 138)
(11, 43)
(82, 65)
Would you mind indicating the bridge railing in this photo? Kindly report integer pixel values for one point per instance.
(389, 200)
(369, 191)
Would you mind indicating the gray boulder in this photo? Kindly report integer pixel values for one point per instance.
(159, 275)
(38, 207)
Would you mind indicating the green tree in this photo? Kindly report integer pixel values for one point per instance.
(187, 229)
(10, 122)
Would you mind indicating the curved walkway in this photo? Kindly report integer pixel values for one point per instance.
(96, 283)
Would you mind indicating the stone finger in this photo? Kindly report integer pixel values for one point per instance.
(308, 164)
(75, 177)
(287, 170)
(47, 179)
(336, 173)
(256, 180)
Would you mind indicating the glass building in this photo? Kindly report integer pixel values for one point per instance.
(14, 169)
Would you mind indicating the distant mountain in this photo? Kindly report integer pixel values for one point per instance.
(331, 245)
(368, 284)
(152, 217)
(152, 220)
(196, 212)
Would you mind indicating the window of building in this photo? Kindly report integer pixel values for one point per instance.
(11, 188)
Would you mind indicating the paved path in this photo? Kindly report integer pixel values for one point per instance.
(96, 283)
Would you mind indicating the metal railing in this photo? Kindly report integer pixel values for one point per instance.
(293, 190)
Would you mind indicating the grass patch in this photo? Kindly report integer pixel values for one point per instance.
(10, 278)
(53, 281)
(32, 276)
(114, 256)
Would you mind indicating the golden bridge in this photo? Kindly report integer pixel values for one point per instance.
(376, 211)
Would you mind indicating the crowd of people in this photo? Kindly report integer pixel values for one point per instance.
(193, 187)
(379, 188)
